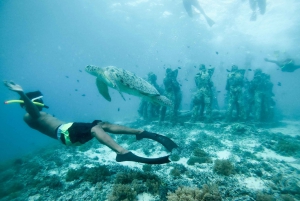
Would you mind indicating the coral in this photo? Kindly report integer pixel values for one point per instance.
(122, 192)
(174, 157)
(52, 182)
(205, 140)
(223, 167)
(199, 160)
(74, 174)
(286, 197)
(150, 181)
(10, 189)
(186, 194)
(239, 128)
(84, 147)
(96, 174)
(200, 156)
(175, 172)
(147, 168)
(33, 168)
(207, 193)
(287, 147)
(200, 153)
(264, 197)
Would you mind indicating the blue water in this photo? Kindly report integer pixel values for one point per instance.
(45, 45)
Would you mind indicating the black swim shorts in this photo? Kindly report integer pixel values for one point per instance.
(77, 133)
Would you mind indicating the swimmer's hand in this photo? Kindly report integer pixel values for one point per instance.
(12, 86)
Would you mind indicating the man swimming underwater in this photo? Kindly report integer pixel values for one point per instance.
(188, 7)
(75, 133)
(287, 65)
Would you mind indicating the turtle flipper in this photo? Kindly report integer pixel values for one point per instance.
(120, 93)
(115, 85)
(103, 89)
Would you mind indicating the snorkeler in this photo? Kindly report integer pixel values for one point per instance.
(76, 133)
(287, 65)
(261, 4)
(188, 7)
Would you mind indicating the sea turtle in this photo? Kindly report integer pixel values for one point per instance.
(127, 82)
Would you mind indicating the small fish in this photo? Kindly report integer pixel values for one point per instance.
(118, 109)
(67, 76)
(76, 89)
(129, 98)
(227, 70)
(179, 67)
(195, 66)
(178, 61)
(279, 83)
(80, 71)
(218, 91)
(188, 46)
(249, 69)
(217, 52)
(186, 79)
(83, 95)
(77, 80)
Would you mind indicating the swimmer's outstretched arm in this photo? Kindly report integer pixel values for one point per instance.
(29, 106)
(274, 61)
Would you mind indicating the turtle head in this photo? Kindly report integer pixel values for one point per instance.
(93, 70)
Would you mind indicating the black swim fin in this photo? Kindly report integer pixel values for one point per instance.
(132, 157)
(165, 141)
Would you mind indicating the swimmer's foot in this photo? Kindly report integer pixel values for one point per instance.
(165, 141)
(132, 157)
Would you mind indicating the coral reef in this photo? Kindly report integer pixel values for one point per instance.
(74, 174)
(264, 197)
(122, 192)
(287, 147)
(128, 185)
(96, 174)
(223, 167)
(207, 193)
(192, 160)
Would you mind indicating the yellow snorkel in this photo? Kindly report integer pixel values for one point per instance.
(21, 101)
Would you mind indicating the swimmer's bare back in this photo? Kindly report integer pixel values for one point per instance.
(45, 123)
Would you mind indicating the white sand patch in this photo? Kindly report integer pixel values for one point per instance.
(236, 158)
(250, 143)
(223, 154)
(34, 197)
(194, 132)
(227, 143)
(252, 183)
(74, 166)
(105, 155)
(182, 161)
(145, 197)
(269, 154)
(53, 172)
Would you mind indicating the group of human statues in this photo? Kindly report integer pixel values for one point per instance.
(246, 100)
